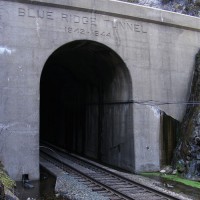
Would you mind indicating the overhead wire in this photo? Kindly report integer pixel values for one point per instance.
(147, 102)
(158, 103)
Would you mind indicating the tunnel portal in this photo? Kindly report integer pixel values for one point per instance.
(85, 107)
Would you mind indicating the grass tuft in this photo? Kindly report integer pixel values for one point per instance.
(175, 178)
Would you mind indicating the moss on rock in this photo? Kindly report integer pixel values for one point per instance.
(5, 179)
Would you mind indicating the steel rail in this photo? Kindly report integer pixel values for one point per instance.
(103, 170)
(64, 167)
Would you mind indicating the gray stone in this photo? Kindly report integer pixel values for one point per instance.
(197, 2)
(70, 188)
(198, 156)
(174, 172)
(167, 170)
(2, 192)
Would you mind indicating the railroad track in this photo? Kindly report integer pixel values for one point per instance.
(102, 181)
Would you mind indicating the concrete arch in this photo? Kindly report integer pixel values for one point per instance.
(85, 103)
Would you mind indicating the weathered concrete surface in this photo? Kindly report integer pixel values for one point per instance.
(158, 48)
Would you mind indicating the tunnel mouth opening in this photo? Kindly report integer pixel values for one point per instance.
(85, 101)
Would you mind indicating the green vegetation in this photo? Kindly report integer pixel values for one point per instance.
(176, 178)
(6, 180)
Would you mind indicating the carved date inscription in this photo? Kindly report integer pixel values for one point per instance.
(82, 31)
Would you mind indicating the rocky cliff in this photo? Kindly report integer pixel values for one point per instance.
(187, 154)
(188, 7)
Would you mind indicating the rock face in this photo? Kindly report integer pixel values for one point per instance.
(2, 192)
(187, 153)
(189, 7)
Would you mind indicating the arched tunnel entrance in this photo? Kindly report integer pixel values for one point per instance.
(85, 107)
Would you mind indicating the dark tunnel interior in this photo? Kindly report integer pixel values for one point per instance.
(85, 93)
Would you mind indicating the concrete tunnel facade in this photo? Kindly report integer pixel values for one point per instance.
(81, 74)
